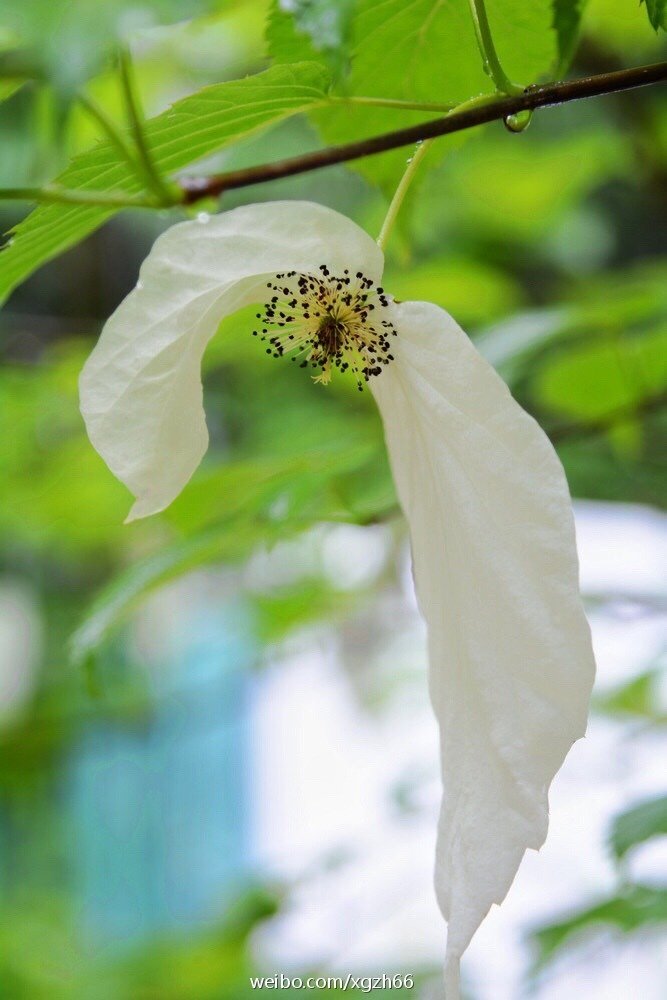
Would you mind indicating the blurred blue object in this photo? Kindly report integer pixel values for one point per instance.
(159, 807)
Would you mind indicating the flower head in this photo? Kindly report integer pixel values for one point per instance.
(485, 497)
(328, 321)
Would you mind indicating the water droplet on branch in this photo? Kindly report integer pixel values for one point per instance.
(518, 122)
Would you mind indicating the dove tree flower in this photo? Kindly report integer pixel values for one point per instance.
(484, 494)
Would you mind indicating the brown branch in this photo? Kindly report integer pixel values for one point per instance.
(496, 109)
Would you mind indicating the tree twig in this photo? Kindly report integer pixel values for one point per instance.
(495, 109)
(476, 112)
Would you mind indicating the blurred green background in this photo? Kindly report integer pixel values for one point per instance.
(146, 788)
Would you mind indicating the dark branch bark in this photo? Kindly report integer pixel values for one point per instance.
(541, 96)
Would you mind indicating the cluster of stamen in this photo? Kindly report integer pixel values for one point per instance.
(326, 322)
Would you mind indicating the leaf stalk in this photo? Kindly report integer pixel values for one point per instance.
(487, 48)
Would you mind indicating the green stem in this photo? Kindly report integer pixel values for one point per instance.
(150, 172)
(389, 102)
(488, 50)
(401, 191)
(54, 194)
(112, 132)
(479, 101)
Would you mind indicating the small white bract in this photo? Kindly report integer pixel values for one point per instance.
(491, 527)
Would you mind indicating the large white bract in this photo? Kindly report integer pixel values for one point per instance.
(495, 565)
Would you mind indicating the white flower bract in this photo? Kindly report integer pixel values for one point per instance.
(485, 497)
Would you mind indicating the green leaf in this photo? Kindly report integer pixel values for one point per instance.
(610, 374)
(192, 128)
(247, 489)
(12, 73)
(125, 592)
(426, 51)
(512, 346)
(472, 291)
(287, 41)
(385, 53)
(657, 13)
(618, 323)
(608, 381)
(40, 403)
(279, 612)
(310, 30)
(638, 697)
(259, 502)
(639, 824)
(597, 359)
(9, 87)
(567, 21)
(515, 190)
(71, 41)
(639, 907)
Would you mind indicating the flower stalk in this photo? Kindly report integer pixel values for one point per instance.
(399, 195)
